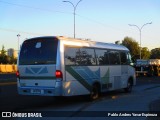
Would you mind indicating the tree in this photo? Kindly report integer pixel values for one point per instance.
(145, 53)
(133, 46)
(12, 60)
(3, 51)
(5, 59)
(3, 56)
(155, 53)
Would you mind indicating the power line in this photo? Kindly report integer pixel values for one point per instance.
(48, 10)
(84, 17)
(30, 7)
(18, 31)
(100, 23)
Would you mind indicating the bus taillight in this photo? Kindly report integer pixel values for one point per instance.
(17, 74)
(59, 74)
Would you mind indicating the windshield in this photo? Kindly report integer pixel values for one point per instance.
(38, 51)
(130, 59)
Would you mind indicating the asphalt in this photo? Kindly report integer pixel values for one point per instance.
(155, 105)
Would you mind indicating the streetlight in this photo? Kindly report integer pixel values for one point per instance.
(74, 13)
(140, 31)
(18, 41)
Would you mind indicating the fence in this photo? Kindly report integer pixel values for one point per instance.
(8, 68)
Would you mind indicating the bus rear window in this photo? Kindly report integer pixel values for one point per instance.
(38, 51)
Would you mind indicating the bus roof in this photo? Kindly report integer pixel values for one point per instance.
(87, 43)
(94, 43)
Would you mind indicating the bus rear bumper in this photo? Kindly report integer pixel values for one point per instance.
(40, 91)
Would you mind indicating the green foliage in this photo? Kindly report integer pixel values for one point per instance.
(133, 46)
(155, 53)
(5, 59)
(3, 56)
(145, 53)
(3, 52)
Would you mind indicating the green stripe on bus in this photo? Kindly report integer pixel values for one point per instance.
(70, 70)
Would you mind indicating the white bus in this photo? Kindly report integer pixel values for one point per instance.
(61, 66)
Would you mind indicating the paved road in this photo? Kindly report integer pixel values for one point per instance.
(7, 77)
(145, 92)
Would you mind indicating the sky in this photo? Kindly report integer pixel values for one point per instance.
(98, 20)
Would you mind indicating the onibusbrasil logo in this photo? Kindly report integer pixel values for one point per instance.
(15, 114)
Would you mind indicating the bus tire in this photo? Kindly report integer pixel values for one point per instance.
(128, 89)
(95, 92)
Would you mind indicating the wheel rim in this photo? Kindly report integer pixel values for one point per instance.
(129, 86)
(94, 93)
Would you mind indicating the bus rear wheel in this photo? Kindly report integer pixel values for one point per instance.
(95, 92)
(128, 89)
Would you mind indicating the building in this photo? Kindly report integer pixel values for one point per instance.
(12, 53)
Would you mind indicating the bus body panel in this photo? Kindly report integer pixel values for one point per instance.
(110, 77)
(39, 74)
(39, 80)
(74, 87)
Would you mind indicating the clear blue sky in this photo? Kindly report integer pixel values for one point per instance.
(98, 20)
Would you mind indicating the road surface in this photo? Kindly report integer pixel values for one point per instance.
(144, 93)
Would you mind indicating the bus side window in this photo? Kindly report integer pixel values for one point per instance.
(123, 58)
(70, 54)
(114, 58)
(129, 59)
(79, 56)
(87, 56)
(102, 57)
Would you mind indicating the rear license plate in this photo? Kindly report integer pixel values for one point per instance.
(37, 91)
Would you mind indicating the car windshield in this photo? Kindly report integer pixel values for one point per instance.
(38, 51)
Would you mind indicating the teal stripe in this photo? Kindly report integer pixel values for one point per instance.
(70, 70)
